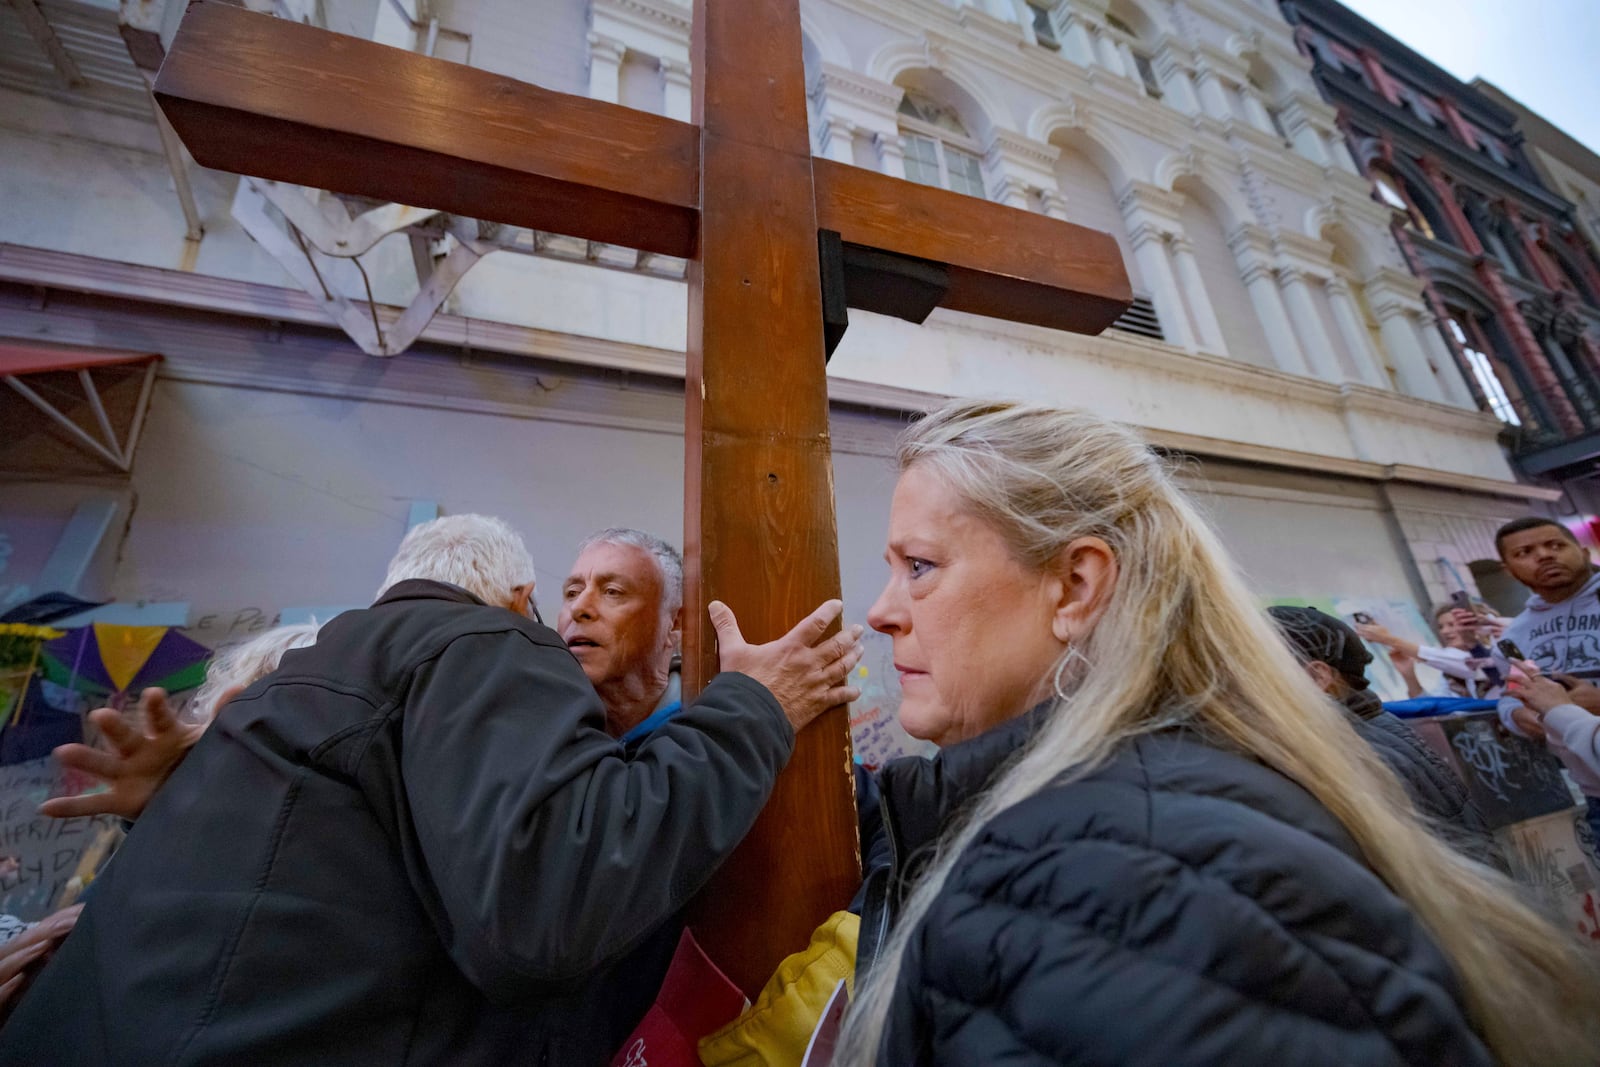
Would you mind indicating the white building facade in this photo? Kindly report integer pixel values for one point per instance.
(1278, 344)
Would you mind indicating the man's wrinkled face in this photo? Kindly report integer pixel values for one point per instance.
(1545, 558)
(613, 614)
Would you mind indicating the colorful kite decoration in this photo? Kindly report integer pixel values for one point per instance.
(110, 663)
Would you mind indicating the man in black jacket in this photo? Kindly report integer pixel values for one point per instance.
(1334, 656)
(414, 842)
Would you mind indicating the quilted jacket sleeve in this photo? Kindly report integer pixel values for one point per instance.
(1088, 927)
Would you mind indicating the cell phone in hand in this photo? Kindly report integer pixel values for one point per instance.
(1462, 599)
(1362, 617)
(1508, 649)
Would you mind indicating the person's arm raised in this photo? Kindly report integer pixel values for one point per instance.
(550, 854)
(138, 762)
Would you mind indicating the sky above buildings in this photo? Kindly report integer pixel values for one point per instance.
(1545, 53)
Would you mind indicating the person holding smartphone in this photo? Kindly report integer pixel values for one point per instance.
(1460, 657)
(1559, 629)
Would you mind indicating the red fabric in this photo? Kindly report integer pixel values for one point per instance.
(695, 999)
(18, 358)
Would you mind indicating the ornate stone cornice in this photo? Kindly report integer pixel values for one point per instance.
(606, 46)
(1250, 238)
(1143, 233)
(669, 14)
(1142, 196)
(1010, 145)
(846, 83)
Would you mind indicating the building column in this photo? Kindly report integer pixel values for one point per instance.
(1257, 111)
(1314, 340)
(891, 154)
(605, 68)
(1268, 301)
(1011, 192)
(1076, 39)
(678, 101)
(1207, 328)
(1213, 97)
(1304, 136)
(1443, 360)
(839, 140)
(1410, 362)
(1352, 327)
(1463, 232)
(1053, 204)
(1110, 58)
(1129, 67)
(1177, 82)
(1150, 249)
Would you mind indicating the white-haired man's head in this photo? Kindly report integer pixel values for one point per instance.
(244, 664)
(621, 615)
(479, 553)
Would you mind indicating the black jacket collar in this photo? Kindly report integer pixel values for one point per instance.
(923, 795)
(424, 589)
(1363, 704)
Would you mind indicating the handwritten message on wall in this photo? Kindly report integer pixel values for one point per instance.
(48, 852)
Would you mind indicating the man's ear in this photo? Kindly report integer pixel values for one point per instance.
(675, 629)
(520, 599)
(1322, 674)
(1083, 577)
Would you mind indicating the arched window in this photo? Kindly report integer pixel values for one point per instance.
(1201, 216)
(1496, 382)
(1270, 90)
(1352, 326)
(1420, 212)
(1483, 370)
(939, 150)
(1086, 189)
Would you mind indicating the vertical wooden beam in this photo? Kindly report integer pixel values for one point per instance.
(759, 523)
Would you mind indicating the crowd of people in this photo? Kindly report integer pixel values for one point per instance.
(1163, 825)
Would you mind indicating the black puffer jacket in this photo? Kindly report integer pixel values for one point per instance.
(1181, 905)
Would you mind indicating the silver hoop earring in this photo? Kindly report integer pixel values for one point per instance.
(1072, 653)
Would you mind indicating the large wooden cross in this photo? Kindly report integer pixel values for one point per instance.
(739, 195)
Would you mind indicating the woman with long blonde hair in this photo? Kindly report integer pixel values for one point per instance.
(1148, 838)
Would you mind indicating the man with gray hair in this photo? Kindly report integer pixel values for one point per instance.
(414, 843)
(622, 617)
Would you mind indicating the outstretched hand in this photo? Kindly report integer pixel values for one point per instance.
(139, 760)
(23, 955)
(805, 670)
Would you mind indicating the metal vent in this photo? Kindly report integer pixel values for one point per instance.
(1140, 318)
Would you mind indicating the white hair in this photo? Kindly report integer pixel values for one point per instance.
(668, 560)
(479, 553)
(248, 662)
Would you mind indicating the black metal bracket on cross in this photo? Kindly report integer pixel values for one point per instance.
(868, 279)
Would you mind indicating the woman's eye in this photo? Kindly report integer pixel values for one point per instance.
(918, 567)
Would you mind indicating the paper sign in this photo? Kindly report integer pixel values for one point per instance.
(695, 999)
(825, 1038)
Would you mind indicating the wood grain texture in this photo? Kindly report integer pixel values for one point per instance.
(1004, 262)
(268, 97)
(758, 514)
